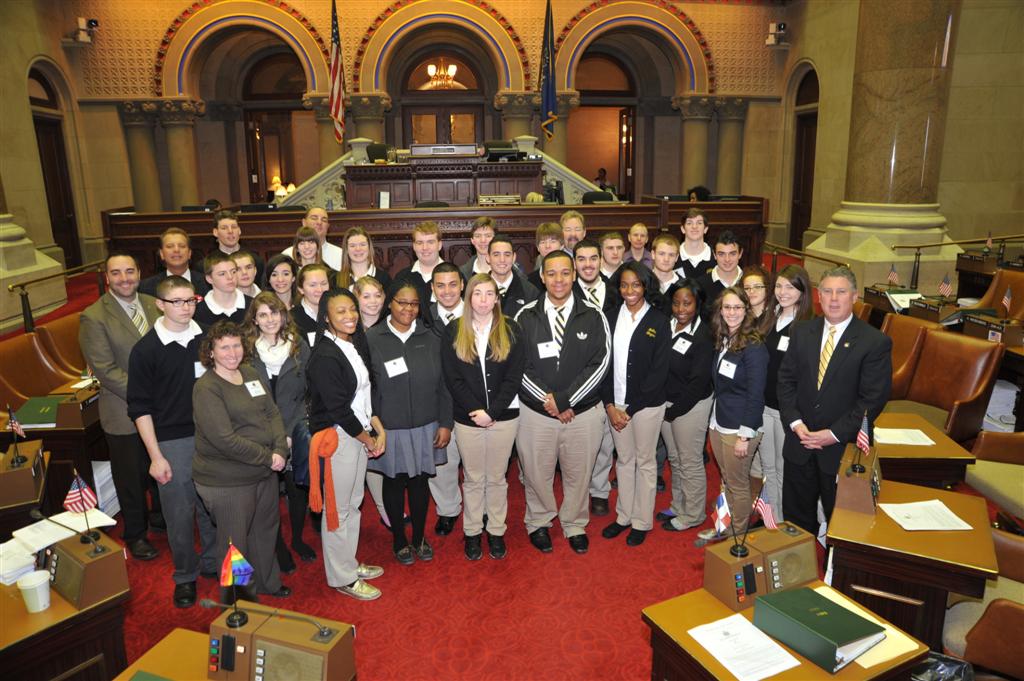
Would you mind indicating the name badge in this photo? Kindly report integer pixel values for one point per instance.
(311, 336)
(549, 349)
(681, 345)
(255, 388)
(783, 343)
(200, 369)
(727, 368)
(396, 367)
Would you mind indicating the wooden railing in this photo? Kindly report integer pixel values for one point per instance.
(22, 287)
(917, 253)
(775, 249)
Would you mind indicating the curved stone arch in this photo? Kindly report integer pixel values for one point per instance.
(694, 68)
(374, 54)
(194, 26)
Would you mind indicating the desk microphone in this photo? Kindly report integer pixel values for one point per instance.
(324, 634)
(84, 537)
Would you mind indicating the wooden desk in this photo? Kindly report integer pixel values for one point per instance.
(676, 655)
(906, 577)
(975, 271)
(69, 448)
(181, 656)
(61, 641)
(943, 463)
(15, 516)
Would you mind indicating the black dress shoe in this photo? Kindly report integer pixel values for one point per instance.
(473, 549)
(185, 595)
(445, 524)
(283, 592)
(285, 560)
(141, 549)
(579, 543)
(157, 522)
(496, 546)
(636, 537)
(661, 484)
(598, 506)
(613, 530)
(541, 540)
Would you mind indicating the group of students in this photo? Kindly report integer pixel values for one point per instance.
(337, 377)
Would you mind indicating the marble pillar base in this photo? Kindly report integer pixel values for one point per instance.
(21, 261)
(863, 234)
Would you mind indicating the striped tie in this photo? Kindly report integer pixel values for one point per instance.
(502, 290)
(559, 326)
(826, 354)
(449, 317)
(592, 295)
(139, 319)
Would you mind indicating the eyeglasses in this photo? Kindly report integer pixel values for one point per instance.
(182, 302)
(733, 308)
(407, 303)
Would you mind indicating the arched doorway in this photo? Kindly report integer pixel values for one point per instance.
(48, 121)
(805, 132)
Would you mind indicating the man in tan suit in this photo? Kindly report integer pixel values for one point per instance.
(109, 328)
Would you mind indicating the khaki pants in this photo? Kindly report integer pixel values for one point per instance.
(600, 485)
(735, 476)
(636, 469)
(485, 454)
(444, 485)
(348, 470)
(684, 440)
(543, 442)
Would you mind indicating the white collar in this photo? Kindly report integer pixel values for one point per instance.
(687, 329)
(417, 270)
(236, 249)
(239, 304)
(840, 327)
(705, 253)
(716, 278)
(182, 338)
(629, 318)
(186, 275)
(402, 336)
(458, 311)
(567, 305)
(312, 313)
(507, 282)
(596, 284)
(476, 267)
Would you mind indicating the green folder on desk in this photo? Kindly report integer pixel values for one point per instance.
(39, 412)
(824, 632)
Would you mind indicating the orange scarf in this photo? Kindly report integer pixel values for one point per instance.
(322, 446)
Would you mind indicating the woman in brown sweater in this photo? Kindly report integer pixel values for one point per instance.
(240, 443)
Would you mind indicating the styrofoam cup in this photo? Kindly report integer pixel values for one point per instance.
(35, 589)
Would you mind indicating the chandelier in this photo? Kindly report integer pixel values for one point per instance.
(442, 76)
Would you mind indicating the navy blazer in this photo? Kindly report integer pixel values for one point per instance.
(689, 373)
(466, 382)
(647, 366)
(739, 400)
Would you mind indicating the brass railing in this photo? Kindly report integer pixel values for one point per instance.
(22, 287)
(775, 249)
(917, 253)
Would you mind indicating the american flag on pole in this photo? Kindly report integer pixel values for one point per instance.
(80, 498)
(1007, 299)
(337, 99)
(765, 509)
(894, 278)
(721, 513)
(946, 287)
(863, 441)
(13, 424)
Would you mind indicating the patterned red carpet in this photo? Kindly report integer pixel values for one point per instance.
(530, 616)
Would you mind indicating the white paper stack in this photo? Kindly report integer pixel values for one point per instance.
(15, 560)
(45, 533)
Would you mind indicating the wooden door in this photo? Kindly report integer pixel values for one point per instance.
(443, 125)
(268, 150)
(803, 177)
(627, 152)
(59, 197)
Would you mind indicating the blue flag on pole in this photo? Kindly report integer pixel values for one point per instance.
(548, 95)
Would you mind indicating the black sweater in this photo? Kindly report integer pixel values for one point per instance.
(205, 316)
(691, 356)
(466, 380)
(332, 386)
(417, 396)
(160, 382)
(647, 365)
(776, 353)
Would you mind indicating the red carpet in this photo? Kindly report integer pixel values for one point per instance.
(530, 616)
(82, 292)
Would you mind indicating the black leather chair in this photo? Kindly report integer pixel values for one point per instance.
(593, 197)
(376, 152)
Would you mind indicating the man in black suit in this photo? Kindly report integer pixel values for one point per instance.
(513, 287)
(175, 253)
(835, 369)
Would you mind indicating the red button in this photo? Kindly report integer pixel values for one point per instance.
(213, 667)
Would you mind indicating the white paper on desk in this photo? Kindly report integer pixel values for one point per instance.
(84, 383)
(924, 515)
(902, 436)
(45, 533)
(747, 652)
(901, 301)
(894, 644)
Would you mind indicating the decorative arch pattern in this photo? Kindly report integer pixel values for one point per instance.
(204, 18)
(659, 16)
(496, 33)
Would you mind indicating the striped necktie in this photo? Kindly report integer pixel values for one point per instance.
(826, 354)
(592, 295)
(139, 319)
(448, 317)
(559, 326)
(502, 290)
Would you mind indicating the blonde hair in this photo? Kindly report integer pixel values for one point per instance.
(344, 278)
(500, 340)
(665, 238)
(426, 228)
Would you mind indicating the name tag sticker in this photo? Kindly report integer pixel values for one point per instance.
(255, 388)
(549, 349)
(312, 337)
(200, 369)
(681, 346)
(783, 343)
(727, 368)
(396, 367)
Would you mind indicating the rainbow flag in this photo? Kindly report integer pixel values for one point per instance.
(235, 569)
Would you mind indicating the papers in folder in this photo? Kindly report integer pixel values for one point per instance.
(747, 652)
(902, 436)
(924, 515)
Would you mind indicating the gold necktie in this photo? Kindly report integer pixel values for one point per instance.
(826, 354)
(139, 319)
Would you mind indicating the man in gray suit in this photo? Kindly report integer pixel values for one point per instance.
(109, 328)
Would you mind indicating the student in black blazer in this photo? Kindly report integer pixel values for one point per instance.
(688, 391)
(633, 393)
(741, 368)
(823, 415)
(482, 358)
(313, 282)
(357, 261)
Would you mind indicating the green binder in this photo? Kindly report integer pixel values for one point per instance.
(821, 630)
(39, 412)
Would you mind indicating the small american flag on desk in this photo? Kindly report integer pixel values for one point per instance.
(80, 497)
(1007, 299)
(946, 287)
(894, 278)
(767, 514)
(863, 441)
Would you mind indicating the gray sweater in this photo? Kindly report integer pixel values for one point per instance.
(236, 433)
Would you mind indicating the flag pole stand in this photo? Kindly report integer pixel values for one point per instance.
(238, 618)
(89, 533)
(18, 460)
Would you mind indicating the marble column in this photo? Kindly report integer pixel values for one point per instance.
(696, 112)
(731, 112)
(368, 113)
(901, 81)
(516, 113)
(230, 113)
(139, 119)
(558, 146)
(178, 116)
(320, 104)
